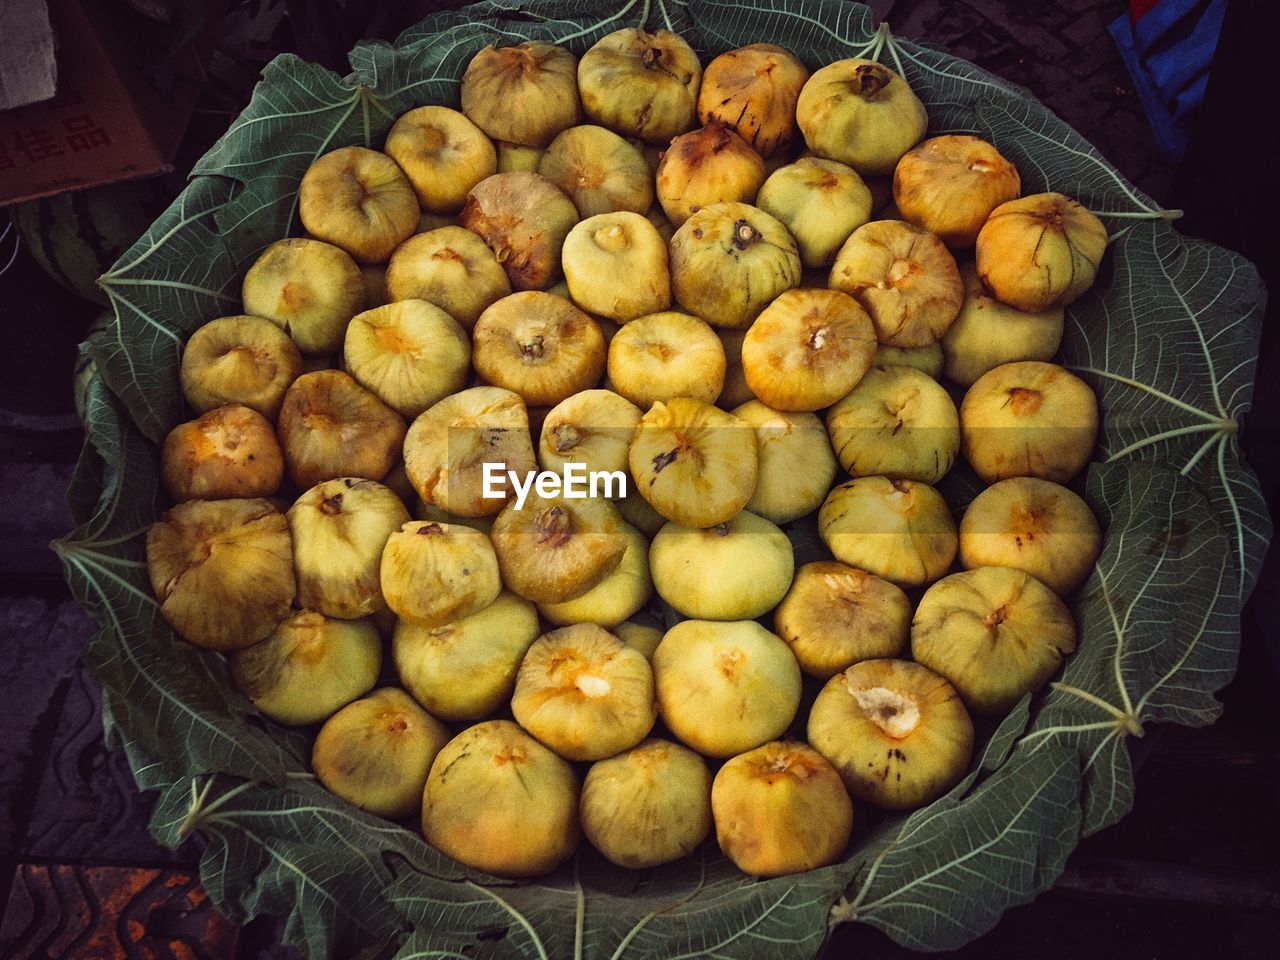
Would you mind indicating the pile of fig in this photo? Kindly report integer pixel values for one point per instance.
(738, 294)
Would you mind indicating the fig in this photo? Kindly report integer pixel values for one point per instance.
(516, 156)
(835, 615)
(647, 806)
(228, 452)
(635, 509)
(330, 427)
(725, 686)
(1040, 251)
(729, 261)
(949, 185)
(904, 277)
(539, 346)
(1032, 525)
(640, 636)
(664, 356)
(779, 809)
(524, 94)
(555, 549)
(709, 165)
(309, 667)
(796, 465)
(641, 84)
(465, 669)
(736, 570)
(408, 354)
(524, 218)
(897, 423)
(592, 428)
(451, 268)
(584, 693)
(222, 571)
(754, 90)
(1028, 419)
(339, 529)
(375, 753)
(309, 289)
(896, 732)
(239, 360)
(499, 801)
(821, 202)
(619, 595)
(735, 392)
(926, 359)
(599, 170)
(360, 200)
(987, 333)
(995, 633)
(603, 248)
(433, 573)
(807, 349)
(694, 463)
(861, 114)
(447, 447)
(897, 529)
(443, 154)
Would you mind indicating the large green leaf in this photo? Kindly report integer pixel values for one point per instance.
(1167, 338)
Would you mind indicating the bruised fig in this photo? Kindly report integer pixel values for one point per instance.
(808, 349)
(375, 753)
(619, 595)
(448, 446)
(641, 84)
(725, 687)
(330, 426)
(860, 113)
(666, 355)
(239, 360)
(694, 463)
(603, 248)
(988, 333)
(409, 354)
(1032, 525)
(995, 633)
(592, 428)
(796, 462)
(443, 154)
(584, 693)
(1028, 419)
(705, 166)
(599, 170)
(360, 200)
(222, 571)
(906, 279)
(228, 452)
(433, 573)
(641, 636)
(308, 289)
(835, 615)
(949, 186)
(499, 801)
(555, 549)
(729, 261)
(736, 570)
(647, 806)
(781, 809)
(524, 218)
(451, 268)
(309, 667)
(340, 528)
(1040, 252)
(896, 732)
(754, 90)
(538, 345)
(897, 423)
(465, 669)
(821, 202)
(524, 94)
(926, 359)
(897, 529)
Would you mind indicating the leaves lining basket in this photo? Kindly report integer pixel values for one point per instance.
(1167, 338)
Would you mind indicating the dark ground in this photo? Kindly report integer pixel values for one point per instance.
(1193, 871)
